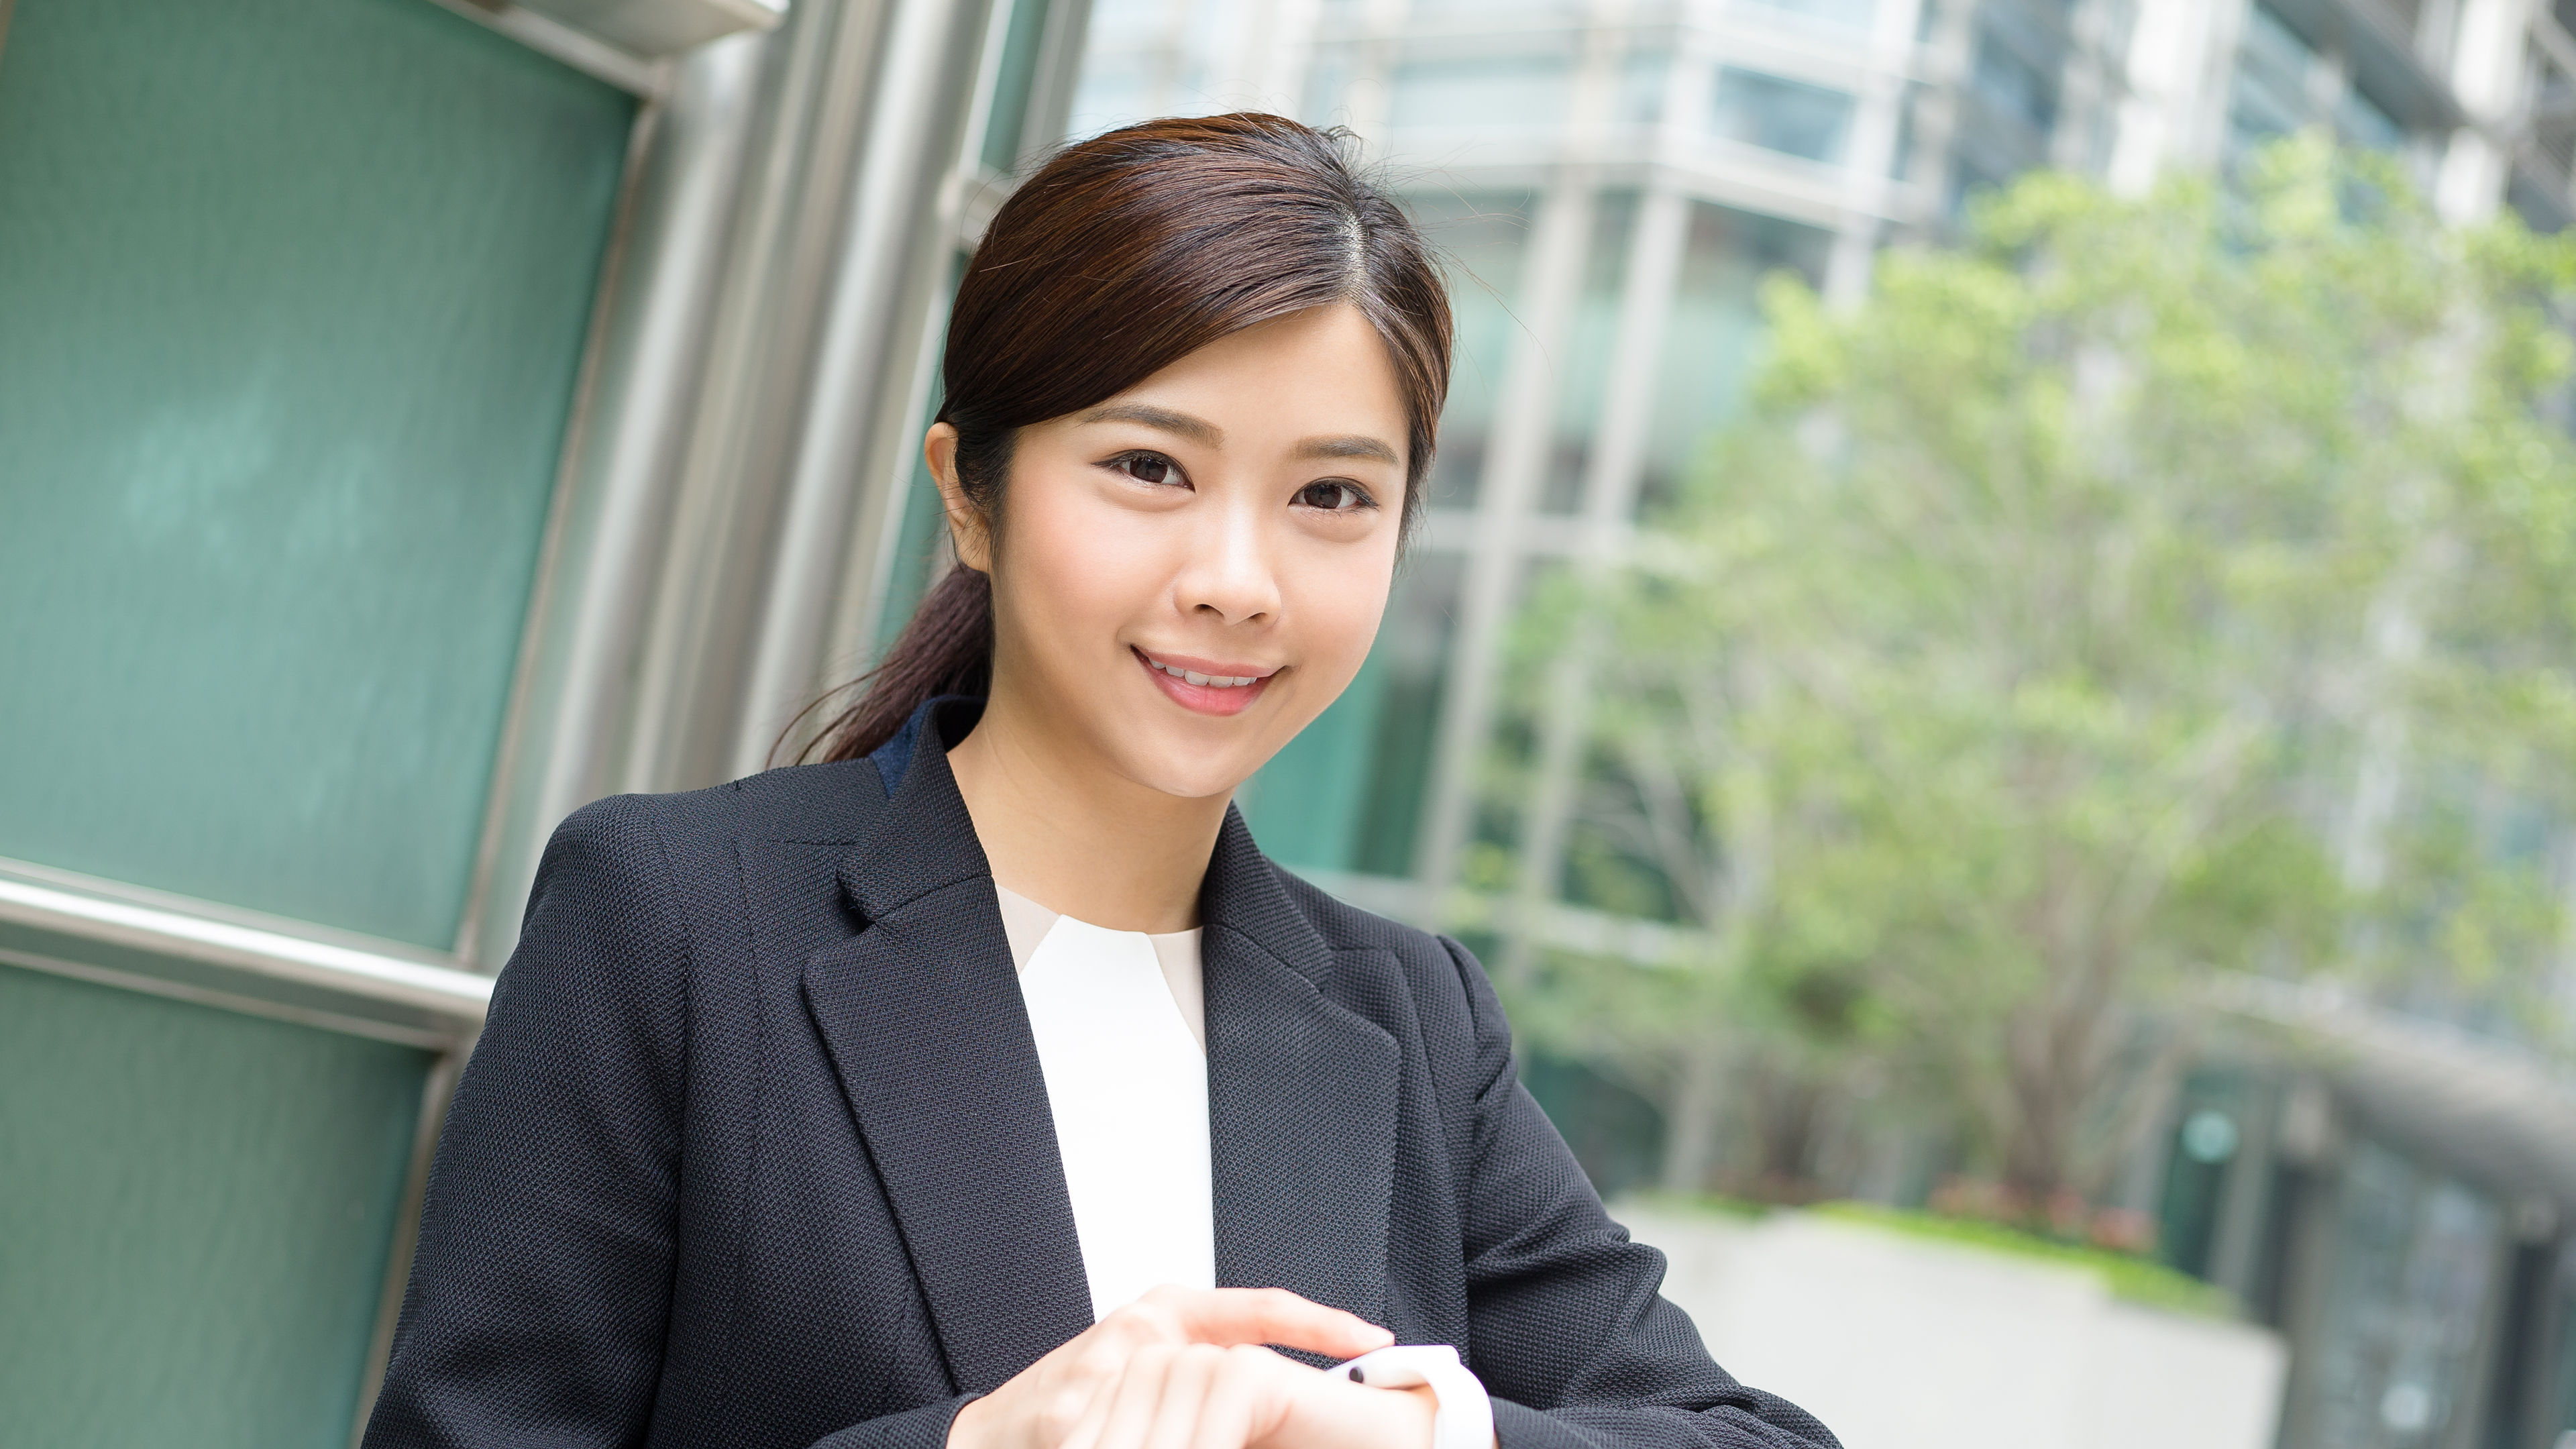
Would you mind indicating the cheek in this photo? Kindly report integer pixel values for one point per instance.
(1069, 564)
(1338, 602)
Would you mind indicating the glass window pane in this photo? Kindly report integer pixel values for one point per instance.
(1643, 78)
(1305, 806)
(1582, 364)
(2365, 123)
(1488, 10)
(2412, 1262)
(1022, 35)
(1779, 114)
(1347, 793)
(296, 293)
(196, 1208)
(1481, 239)
(1713, 327)
(1515, 93)
(1147, 58)
(2014, 84)
(921, 532)
(1854, 13)
(2258, 112)
(2269, 46)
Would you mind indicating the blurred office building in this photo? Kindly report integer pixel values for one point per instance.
(421, 417)
(1616, 179)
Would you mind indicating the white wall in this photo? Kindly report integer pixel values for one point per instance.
(1900, 1343)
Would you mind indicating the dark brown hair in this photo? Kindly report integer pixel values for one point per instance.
(1119, 257)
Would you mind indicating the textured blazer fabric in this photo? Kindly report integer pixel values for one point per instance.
(754, 1150)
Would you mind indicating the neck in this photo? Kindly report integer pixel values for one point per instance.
(1060, 826)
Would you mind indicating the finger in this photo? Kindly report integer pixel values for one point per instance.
(1095, 1412)
(1225, 1316)
(1185, 1390)
(1242, 1403)
(1156, 1317)
(1051, 1396)
(1122, 1412)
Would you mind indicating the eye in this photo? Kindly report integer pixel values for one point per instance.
(1335, 495)
(1148, 468)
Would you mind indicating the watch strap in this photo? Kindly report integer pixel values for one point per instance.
(1465, 1417)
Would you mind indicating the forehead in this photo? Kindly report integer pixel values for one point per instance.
(1324, 368)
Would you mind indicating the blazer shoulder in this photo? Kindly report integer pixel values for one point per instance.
(821, 803)
(1343, 926)
(1445, 975)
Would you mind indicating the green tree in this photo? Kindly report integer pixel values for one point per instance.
(2144, 588)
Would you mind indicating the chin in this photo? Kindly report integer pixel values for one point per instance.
(1192, 784)
(1187, 770)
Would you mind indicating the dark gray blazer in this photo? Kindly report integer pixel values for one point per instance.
(755, 1151)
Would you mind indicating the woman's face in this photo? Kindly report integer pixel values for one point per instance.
(1187, 573)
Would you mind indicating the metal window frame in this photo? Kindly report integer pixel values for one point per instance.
(707, 250)
(821, 168)
(120, 935)
(592, 56)
(849, 107)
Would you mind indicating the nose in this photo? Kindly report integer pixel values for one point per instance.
(1230, 574)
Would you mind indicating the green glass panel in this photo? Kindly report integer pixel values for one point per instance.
(292, 301)
(1482, 239)
(1006, 123)
(1305, 806)
(1346, 793)
(1713, 330)
(195, 1212)
(1415, 641)
(1586, 357)
(919, 512)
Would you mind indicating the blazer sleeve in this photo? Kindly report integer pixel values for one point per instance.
(541, 1283)
(1565, 1324)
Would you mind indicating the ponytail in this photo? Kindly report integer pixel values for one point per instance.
(947, 648)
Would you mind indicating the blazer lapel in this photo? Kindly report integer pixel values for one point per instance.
(923, 1020)
(1301, 1097)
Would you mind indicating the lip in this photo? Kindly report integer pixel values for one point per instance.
(1206, 698)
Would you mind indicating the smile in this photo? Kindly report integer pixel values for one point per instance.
(1208, 686)
(1217, 681)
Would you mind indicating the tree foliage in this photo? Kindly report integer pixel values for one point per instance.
(2142, 589)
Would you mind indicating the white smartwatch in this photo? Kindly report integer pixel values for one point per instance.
(1465, 1418)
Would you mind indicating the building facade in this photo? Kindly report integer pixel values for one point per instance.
(1613, 180)
(415, 420)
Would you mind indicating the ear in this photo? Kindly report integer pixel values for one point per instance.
(966, 525)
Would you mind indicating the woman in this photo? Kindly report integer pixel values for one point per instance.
(927, 1095)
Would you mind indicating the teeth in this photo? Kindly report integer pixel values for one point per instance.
(1220, 681)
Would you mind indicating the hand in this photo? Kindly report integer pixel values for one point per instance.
(1043, 1405)
(1199, 1396)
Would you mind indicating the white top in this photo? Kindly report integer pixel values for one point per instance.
(1119, 1018)
(1120, 1021)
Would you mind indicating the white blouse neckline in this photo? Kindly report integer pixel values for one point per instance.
(1026, 923)
(1119, 1022)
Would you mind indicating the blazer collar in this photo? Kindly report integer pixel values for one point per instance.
(1301, 1095)
(922, 1015)
(925, 841)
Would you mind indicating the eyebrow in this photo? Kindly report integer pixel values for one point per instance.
(1353, 445)
(1207, 434)
(1197, 430)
